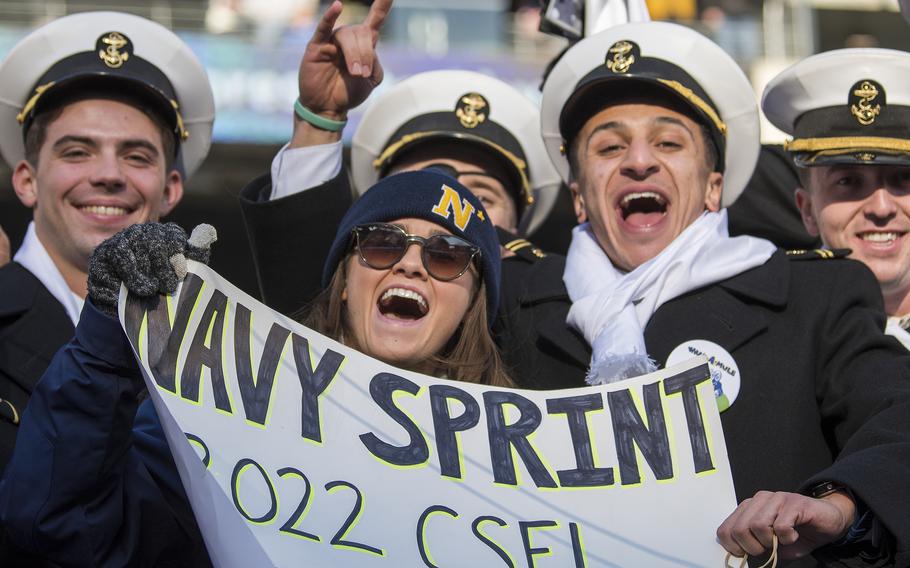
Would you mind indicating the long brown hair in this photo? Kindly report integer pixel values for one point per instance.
(469, 356)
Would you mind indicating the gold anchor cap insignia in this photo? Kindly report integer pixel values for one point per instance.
(472, 109)
(621, 56)
(867, 99)
(114, 49)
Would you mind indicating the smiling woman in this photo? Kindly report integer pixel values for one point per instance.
(413, 279)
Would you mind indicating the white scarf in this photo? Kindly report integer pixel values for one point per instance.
(611, 308)
(896, 327)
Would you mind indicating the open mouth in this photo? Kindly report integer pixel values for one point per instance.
(104, 210)
(643, 208)
(400, 303)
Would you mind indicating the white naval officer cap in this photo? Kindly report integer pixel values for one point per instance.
(107, 51)
(847, 106)
(467, 107)
(620, 61)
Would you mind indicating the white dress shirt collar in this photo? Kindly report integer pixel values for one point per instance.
(34, 257)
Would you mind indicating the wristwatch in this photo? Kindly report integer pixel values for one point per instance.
(862, 520)
(825, 488)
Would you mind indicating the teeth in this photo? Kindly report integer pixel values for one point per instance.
(104, 210)
(642, 195)
(879, 237)
(402, 293)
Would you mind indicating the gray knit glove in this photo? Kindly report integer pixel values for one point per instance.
(149, 258)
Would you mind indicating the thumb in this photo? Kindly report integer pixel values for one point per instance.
(178, 263)
(203, 236)
(200, 242)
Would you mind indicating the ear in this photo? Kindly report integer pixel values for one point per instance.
(804, 204)
(578, 201)
(25, 184)
(344, 294)
(173, 192)
(715, 191)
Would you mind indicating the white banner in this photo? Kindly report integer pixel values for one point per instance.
(313, 454)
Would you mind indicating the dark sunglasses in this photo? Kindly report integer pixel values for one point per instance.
(445, 257)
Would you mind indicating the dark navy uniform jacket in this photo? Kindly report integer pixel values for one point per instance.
(825, 395)
(33, 326)
(92, 481)
(290, 249)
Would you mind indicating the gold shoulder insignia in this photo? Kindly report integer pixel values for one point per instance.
(817, 254)
(525, 249)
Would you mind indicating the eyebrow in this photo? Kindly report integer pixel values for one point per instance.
(674, 121)
(616, 125)
(124, 145)
(612, 125)
(69, 138)
(138, 143)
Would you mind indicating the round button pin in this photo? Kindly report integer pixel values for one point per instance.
(725, 375)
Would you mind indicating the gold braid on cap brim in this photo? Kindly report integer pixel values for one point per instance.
(698, 102)
(31, 102)
(846, 144)
(393, 148)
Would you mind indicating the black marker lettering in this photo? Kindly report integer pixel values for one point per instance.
(629, 429)
(313, 384)
(382, 388)
(445, 426)
(256, 393)
(199, 355)
(687, 383)
(575, 408)
(504, 437)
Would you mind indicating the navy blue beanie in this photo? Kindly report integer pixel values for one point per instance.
(430, 195)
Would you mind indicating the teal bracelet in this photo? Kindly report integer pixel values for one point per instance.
(318, 121)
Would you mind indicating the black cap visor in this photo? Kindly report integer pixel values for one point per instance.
(83, 76)
(489, 136)
(652, 80)
(834, 136)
